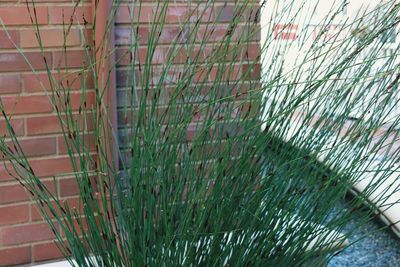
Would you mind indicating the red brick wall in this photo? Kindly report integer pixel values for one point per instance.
(24, 237)
(215, 20)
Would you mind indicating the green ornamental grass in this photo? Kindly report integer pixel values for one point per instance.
(238, 170)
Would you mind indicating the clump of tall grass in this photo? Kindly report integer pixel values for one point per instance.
(215, 161)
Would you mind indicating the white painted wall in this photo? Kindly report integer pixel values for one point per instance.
(311, 14)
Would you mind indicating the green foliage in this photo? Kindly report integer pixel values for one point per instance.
(237, 170)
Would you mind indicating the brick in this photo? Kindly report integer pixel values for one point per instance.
(252, 71)
(33, 82)
(124, 78)
(37, 146)
(12, 15)
(69, 59)
(43, 125)
(10, 83)
(123, 56)
(21, 234)
(87, 37)
(14, 61)
(67, 14)
(50, 38)
(79, 226)
(182, 54)
(252, 52)
(123, 35)
(183, 14)
(68, 187)
(225, 73)
(8, 41)
(124, 14)
(35, 213)
(76, 100)
(45, 251)
(51, 167)
(176, 34)
(4, 172)
(27, 104)
(226, 14)
(125, 118)
(215, 33)
(12, 194)
(12, 256)
(88, 139)
(14, 214)
(17, 124)
(71, 202)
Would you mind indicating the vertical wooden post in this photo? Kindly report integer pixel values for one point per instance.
(104, 54)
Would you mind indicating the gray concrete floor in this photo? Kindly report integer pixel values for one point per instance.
(378, 249)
